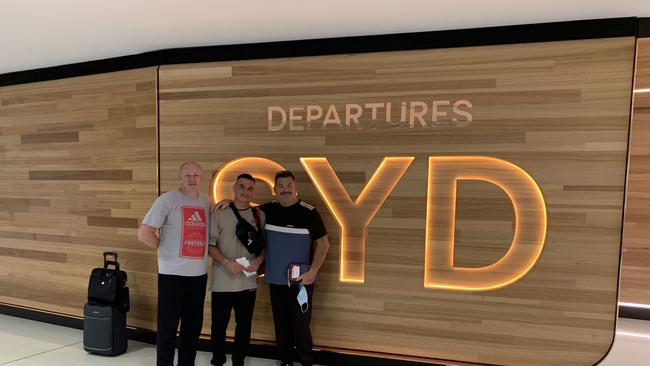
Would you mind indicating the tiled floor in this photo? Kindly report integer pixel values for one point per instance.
(29, 343)
(631, 345)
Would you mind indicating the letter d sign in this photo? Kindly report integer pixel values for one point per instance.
(530, 223)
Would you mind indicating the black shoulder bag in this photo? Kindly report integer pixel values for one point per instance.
(109, 286)
(248, 235)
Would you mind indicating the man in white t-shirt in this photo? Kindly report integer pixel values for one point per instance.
(181, 218)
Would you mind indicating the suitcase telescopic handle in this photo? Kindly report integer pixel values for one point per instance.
(108, 262)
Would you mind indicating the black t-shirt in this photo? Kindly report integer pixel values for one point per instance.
(300, 215)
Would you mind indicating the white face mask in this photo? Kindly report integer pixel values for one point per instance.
(303, 299)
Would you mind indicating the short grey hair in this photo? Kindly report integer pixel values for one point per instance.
(188, 163)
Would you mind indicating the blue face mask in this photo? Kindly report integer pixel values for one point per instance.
(303, 299)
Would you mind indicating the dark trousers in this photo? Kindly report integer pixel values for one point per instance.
(243, 302)
(180, 298)
(291, 324)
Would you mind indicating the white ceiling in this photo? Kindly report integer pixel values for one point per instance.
(37, 33)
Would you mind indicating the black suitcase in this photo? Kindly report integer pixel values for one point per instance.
(104, 329)
(105, 312)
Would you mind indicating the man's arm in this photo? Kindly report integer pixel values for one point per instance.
(147, 235)
(213, 250)
(322, 245)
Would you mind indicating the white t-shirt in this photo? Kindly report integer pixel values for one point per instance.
(183, 224)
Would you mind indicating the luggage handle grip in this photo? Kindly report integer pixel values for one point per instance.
(111, 262)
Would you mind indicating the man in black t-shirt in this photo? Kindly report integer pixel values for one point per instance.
(291, 227)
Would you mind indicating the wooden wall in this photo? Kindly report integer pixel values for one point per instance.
(558, 110)
(78, 170)
(635, 271)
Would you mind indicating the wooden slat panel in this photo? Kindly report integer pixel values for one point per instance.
(635, 272)
(34, 254)
(80, 175)
(77, 172)
(324, 90)
(113, 221)
(42, 138)
(559, 110)
(643, 64)
(22, 204)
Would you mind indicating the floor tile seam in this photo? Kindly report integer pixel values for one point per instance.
(40, 353)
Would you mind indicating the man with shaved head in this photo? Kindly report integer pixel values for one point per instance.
(180, 217)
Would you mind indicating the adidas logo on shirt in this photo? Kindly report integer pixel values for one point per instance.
(195, 220)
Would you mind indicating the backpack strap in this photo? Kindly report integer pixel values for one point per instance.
(256, 215)
(235, 211)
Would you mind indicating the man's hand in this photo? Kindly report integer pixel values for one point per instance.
(223, 204)
(322, 246)
(255, 264)
(307, 278)
(234, 267)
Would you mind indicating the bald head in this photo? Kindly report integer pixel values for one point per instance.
(190, 175)
(188, 164)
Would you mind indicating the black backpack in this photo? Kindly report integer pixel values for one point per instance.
(109, 286)
(248, 235)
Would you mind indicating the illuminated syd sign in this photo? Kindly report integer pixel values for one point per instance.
(444, 173)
